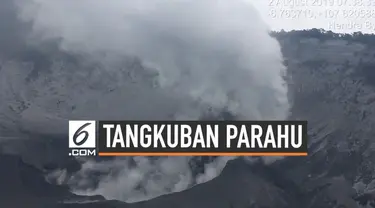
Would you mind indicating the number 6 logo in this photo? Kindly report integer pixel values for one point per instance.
(79, 132)
(77, 129)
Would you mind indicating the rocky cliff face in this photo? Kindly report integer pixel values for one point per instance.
(332, 88)
(332, 85)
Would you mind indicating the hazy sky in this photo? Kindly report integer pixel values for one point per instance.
(343, 16)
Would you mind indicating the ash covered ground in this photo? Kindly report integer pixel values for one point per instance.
(62, 60)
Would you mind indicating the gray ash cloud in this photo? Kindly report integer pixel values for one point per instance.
(137, 60)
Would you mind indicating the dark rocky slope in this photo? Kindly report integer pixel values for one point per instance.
(332, 86)
(239, 185)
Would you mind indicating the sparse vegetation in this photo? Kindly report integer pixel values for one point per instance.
(321, 34)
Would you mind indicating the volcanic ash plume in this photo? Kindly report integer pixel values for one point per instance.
(210, 54)
(149, 59)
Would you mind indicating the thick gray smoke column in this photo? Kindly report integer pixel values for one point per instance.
(207, 54)
(214, 52)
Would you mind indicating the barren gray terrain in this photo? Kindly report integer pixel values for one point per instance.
(331, 84)
(332, 87)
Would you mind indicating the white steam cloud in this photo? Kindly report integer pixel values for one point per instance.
(139, 178)
(195, 57)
